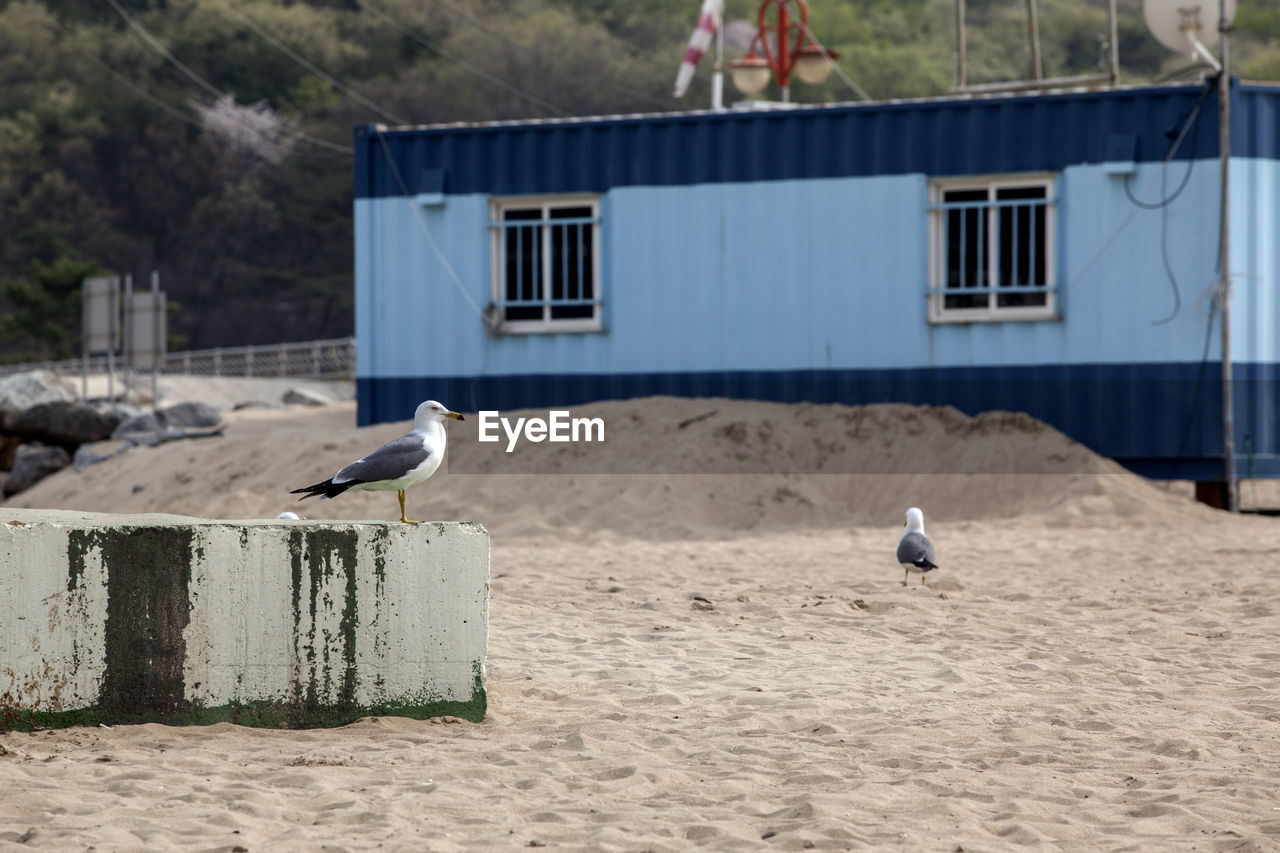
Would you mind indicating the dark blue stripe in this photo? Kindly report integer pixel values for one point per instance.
(935, 137)
(1161, 419)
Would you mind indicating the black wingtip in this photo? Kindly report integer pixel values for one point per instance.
(327, 489)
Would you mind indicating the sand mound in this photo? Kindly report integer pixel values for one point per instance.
(668, 467)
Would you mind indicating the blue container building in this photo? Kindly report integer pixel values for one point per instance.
(1054, 254)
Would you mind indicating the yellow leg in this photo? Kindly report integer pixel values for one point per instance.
(922, 579)
(906, 573)
(402, 516)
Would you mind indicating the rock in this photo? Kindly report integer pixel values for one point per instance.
(32, 463)
(190, 415)
(21, 391)
(64, 422)
(89, 454)
(304, 397)
(145, 428)
(123, 411)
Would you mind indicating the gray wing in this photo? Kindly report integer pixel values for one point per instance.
(916, 549)
(389, 462)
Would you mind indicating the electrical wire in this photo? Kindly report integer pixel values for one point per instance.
(159, 48)
(471, 21)
(1168, 266)
(426, 231)
(149, 97)
(1195, 392)
(1115, 235)
(1166, 200)
(1218, 293)
(1191, 161)
(835, 66)
(138, 90)
(305, 63)
(477, 71)
(155, 45)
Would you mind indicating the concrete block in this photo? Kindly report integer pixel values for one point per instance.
(164, 618)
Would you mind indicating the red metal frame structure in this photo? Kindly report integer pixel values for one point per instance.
(783, 53)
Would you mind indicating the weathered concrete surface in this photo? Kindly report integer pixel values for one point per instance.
(131, 618)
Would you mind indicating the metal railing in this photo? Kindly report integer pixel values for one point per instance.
(334, 358)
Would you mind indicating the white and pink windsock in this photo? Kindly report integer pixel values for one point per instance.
(708, 20)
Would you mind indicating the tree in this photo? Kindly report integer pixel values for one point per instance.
(47, 306)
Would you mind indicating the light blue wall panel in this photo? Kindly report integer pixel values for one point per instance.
(411, 318)
(1110, 273)
(806, 274)
(1255, 259)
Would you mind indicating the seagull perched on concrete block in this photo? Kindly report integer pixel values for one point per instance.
(915, 551)
(396, 465)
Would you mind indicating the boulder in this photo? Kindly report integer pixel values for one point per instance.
(145, 428)
(21, 391)
(100, 451)
(32, 463)
(304, 397)
(185, 415)
(68, 423)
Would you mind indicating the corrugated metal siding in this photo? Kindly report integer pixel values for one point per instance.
(791, 275)
(806, 289)
(1255, 121)
(1255, 261)
(1161, 420)
(938, 137)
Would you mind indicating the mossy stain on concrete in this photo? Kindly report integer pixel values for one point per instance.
(148, 607)
(270, 714)
(323, 552)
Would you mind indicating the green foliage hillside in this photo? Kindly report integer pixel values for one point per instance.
(210, 139)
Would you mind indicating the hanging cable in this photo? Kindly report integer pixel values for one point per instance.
(1195, 391)
(138, 90)
(163, 51)
(477, 71)
(835, 66)
(1166, 200)
(328, 78)
(155, 45)
(426, 231)
(1177, 142)
(1115, 235)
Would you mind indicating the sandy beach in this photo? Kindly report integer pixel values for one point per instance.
(699, 638)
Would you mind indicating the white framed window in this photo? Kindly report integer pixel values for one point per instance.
(991, 249)
(545, 263)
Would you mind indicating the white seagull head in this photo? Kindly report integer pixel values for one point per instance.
(432, 412)
(915, 520)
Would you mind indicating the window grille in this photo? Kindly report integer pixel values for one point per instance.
(992, 249)
(546, 264)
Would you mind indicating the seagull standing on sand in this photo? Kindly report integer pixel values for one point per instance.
(915, 551)
(396, 465)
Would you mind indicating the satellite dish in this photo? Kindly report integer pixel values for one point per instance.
(1186, 25)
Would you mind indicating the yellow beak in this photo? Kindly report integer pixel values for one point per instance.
(455, 416)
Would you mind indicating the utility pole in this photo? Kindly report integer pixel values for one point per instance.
(1224, 241)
